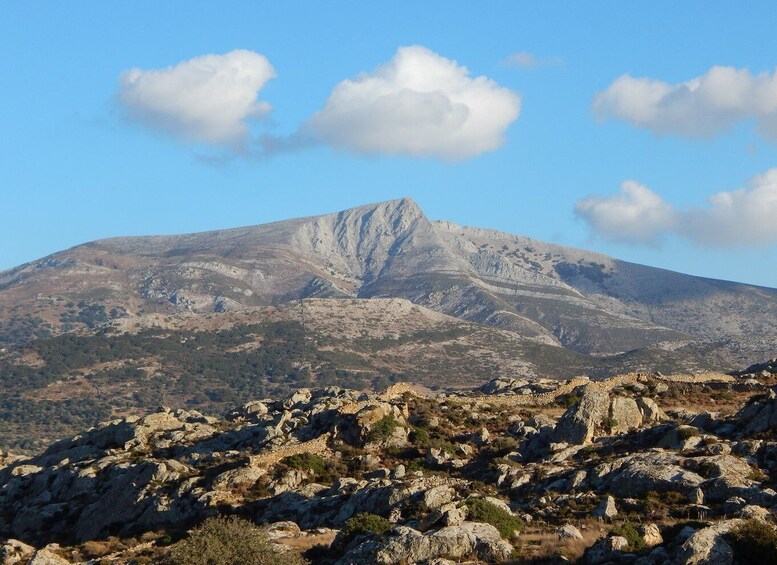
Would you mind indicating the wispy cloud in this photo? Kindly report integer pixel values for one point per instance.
(524, 60)
(744, 217)
(702, 107)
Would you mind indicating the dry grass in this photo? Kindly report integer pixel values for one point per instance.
(303, 543)
(542, 544)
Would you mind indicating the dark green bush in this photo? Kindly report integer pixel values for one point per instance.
(306, 462)
(629, 531)
(687, 433)
(365, 523)
(481, 510)
(753, 542)
(229, 541)
(382, 430)
(419, 436)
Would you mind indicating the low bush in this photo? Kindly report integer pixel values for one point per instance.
(629, 531)
(365, 523)
(481, 510)
(382, 430)
(753, 542)
(228, 541)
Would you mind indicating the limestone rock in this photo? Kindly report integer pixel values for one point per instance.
(578, 424)
(568, 531)
(707, 546)
(625, 414)
(14, 551)
(606, 509)
(406, 545)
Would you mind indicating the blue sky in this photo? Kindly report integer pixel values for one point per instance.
(83, 154)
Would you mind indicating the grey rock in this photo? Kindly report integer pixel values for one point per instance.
(578, 424)
(707, 546)
(406, 545)
(568, 531)
(606, 509)
(625, 414)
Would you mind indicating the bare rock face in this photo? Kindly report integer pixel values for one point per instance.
(759, 415)
(707, 546)
(657, 470)
(14, 551)
(406, 545)
(578, 424)
(606, 510)
(46, 557)
(625, 414)
(651, 412)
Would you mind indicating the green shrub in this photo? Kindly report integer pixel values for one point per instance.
(753, 542)
(365, 523)
(419, 436)
(688, 432)
(629, 531)
(382, 430)
(567, 400)
(320, 470)
(503, 445)
(609, 423)
(481, 510)
(306, 462)
(229, 541)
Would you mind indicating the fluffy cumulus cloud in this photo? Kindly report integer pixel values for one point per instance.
(418, 104)
(635, 215)
(746, 217)
(524, 60)
(208, 99)
(743, 217)
(701, 107)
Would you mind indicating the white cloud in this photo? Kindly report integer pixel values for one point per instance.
(208, 98)
(524, 60)
(740, 218)
(746, 217)
(701, 107)
(418, 104)
(636, 215)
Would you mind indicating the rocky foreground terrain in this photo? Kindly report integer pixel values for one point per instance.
(640, 468)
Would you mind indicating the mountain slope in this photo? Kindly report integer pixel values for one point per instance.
(579, 300)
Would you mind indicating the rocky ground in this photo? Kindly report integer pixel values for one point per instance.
(641, 469)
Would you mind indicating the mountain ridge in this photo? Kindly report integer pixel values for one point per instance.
(585, 301)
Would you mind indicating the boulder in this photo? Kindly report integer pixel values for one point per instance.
(578, 424)
(14, 551)
(605, 550)
(46, 557)
(707, 546)
(406, 545)
(568, 531)
(624, 414)
(655, 470)
(651, 535)
(606, 509)
(650, 411)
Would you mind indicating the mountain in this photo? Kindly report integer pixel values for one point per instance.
(361, 298)
(582, 301)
